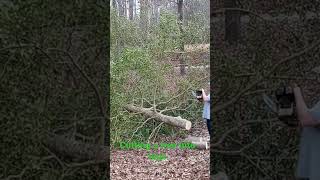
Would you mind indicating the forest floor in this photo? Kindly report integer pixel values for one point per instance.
(179, 164)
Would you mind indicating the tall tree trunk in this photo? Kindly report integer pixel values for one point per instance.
(232, 22)
(121, 7)
(135, 7)
(181, 46)
(131, 9)
(144, 15)
(115, 5)
(155, 13)
(125, 6)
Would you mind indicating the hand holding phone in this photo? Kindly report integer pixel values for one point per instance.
(197, 94)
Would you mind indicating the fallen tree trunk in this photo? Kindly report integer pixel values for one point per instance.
(194, 139)
(201, 145)
(201, 67)
(174, 121)
(75, 149)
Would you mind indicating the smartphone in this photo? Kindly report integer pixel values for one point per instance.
(197, 93)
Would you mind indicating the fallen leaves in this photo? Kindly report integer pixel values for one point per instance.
(180, 164)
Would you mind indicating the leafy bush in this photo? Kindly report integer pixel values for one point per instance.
(136, 74)
(197, 30)
(140, 74)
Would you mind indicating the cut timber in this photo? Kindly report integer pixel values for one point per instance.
(194, 67)
(201, 145)
(75, 149)
(176, 69)
(194, 139)
(192, 48)
(197, 47)
(176, 52)
(174, 121)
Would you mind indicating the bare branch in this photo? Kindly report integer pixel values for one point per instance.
(102, 109)
(272, 69)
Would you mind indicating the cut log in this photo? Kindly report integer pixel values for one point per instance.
(174, 121)
(194, 139)
(75, 149)
(197, 47)
(188, 69)
(201, 145)
(201, 67)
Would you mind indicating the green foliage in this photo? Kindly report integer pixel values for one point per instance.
(134, 73)
(165, 35)
(124, 33)
(139, 73)
(169, 32)
(197, 29)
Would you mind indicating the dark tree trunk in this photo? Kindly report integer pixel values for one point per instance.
(121, 7)
(131, 9)
(155, 12)
(181, 48)
(135, 8)
(232, 22)
(114, 5)
(124, 6)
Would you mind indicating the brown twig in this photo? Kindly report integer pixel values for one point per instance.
(102, 109)
(237, 152)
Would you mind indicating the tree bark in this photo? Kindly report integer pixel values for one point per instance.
(174, 121)
(193, 139)
(125, 6)
(155, 12)
(114, 5)
(131, 9)
(181, 48)
(135, 8)
(201, 145)
(121, 7)
(189, 69)
(144, 14)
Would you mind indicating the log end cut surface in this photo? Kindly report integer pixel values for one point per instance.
(188, 125)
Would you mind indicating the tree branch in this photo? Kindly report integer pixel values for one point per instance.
(273, 68)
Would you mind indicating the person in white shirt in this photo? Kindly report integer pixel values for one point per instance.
(206, 109)
(309, 149)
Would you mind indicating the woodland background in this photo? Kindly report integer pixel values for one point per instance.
(159, 54)
(151, 43)
(255, 46)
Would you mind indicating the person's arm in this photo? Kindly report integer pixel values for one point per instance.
(304, 116)
(204, 96)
